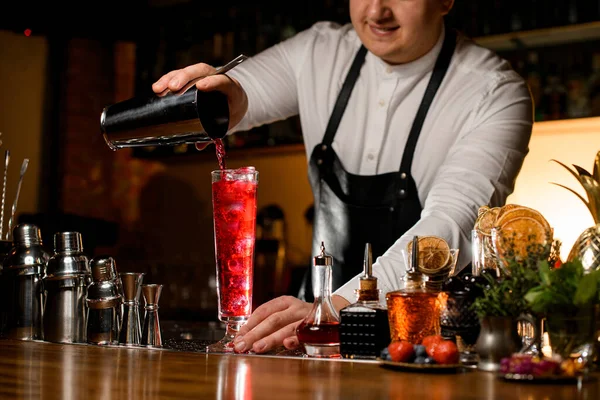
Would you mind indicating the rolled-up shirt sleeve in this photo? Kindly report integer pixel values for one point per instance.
(270, 81)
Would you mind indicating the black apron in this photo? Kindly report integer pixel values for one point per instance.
(352, 210)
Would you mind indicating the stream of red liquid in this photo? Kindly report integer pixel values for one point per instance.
(220, 149)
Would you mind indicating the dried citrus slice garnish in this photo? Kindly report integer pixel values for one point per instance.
(518, 235)
(482, 211)
(434, 253)
(485, 222)
(518, 212)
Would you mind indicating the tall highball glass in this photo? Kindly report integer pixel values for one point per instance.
(234, 218)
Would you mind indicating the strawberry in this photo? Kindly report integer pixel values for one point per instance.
(431, 342)
(401, 351)
(445, 352)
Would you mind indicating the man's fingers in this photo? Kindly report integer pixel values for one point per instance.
(176, 79)
(262, 312)
(161, 84)
(269, 342)
(220, 82)
(291, 343)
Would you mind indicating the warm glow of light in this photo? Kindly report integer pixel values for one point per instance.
(571, 142)
(27, 32)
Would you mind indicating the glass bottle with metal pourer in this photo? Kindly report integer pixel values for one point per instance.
(364, 325)
(413, 310)
(319, 331)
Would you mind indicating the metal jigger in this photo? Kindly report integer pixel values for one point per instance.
(131, 330)
(151, 333)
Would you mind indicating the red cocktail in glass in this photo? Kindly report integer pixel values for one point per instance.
(234, 216)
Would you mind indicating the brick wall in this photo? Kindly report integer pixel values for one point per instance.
(98, 182)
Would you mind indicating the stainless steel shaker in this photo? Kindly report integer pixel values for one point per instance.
(67, 278)
(131, 329)
(103, 300)
(23, 273)
(169, 120)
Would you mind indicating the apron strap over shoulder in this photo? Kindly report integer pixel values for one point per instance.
(439, 71)
(343, 97)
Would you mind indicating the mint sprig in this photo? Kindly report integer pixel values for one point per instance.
(564, 290)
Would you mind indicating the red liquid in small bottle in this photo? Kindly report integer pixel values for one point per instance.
(220, 149)
(323, 333)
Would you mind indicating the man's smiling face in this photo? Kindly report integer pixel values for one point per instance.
(398, 31)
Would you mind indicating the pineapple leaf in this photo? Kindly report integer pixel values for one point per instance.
(576, 194)
(582, 171)
(592, 187)
(575, 174)
(596, 172)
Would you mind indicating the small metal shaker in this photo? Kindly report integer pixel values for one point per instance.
(103, 300)
(151, 333)
(67, 278)
(131, 329)
(23, 273)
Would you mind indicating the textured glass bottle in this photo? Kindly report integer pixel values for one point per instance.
(319, 331)
(364, 325)
(414, 309)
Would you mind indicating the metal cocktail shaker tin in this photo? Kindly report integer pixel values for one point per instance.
(103, 301)
(23, 273)
(168, 120)
(67, 278)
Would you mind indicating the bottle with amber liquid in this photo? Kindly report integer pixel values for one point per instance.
(414, 310)
(364, 326)
(319, 330)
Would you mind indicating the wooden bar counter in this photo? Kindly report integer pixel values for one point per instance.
(43, 370)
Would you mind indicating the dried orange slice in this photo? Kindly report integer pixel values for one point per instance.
(518, 234)
(482, 211)
(518, 212)
(485, 222)
(434, 253)
(508, 207)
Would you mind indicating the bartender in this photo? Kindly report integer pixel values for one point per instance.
(409, 127)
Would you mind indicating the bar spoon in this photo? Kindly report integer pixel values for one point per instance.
(6, 162)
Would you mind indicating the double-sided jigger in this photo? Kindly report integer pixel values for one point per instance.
(131, 329)
(151, 334)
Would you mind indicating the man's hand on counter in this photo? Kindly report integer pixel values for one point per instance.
(274, 324)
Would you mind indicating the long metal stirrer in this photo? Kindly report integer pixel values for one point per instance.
(6, 161)
(14, 206)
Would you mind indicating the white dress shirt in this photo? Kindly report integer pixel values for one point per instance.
(469, 152)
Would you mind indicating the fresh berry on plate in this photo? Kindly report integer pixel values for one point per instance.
(401, 351)
(420, 350)
(445, 352)
(385, 355)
